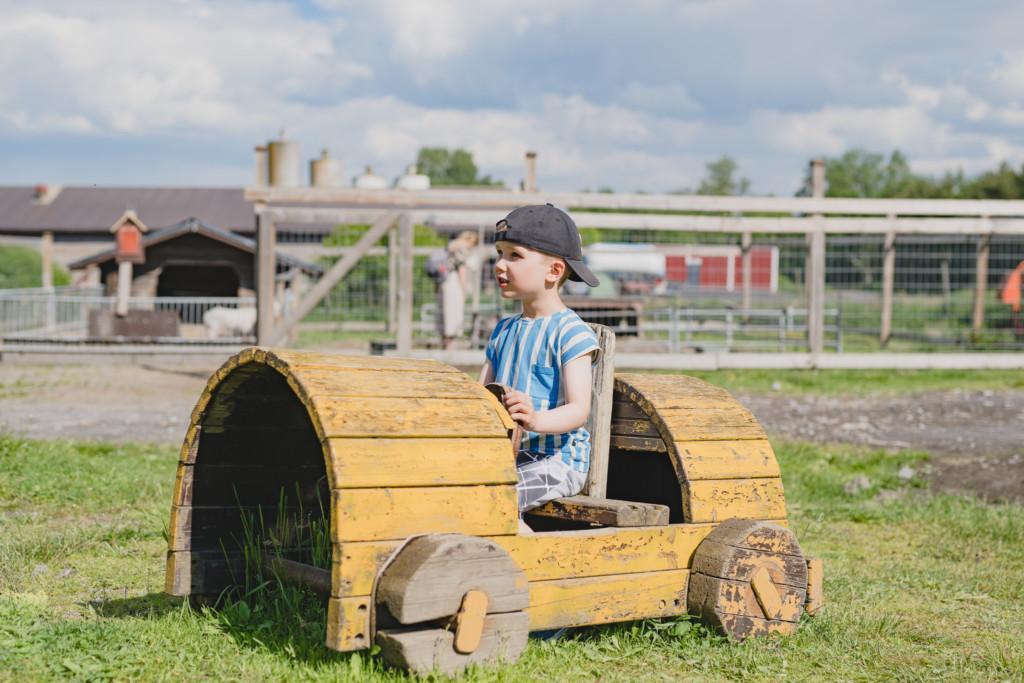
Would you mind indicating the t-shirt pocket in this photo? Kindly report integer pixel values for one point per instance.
(544, 384)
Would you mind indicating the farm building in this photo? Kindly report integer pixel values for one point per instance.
(193, 259)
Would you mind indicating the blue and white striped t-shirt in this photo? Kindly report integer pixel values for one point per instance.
(528, 354)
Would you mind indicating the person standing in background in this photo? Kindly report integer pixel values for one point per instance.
(463, 262)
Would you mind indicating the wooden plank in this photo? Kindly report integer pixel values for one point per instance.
(634, 427)
(348, 623)
(607, 599)
(293, 361)
(201, 572)
(431, 575)
(504, 200)
(407, 417)
(712, 424)
(652, 392)
(394, 513)
(546, 556)
(637, 443)
(329, 279)
(727, 459)
(599, 418)
(190, 447)
(602, 552)
(330, 383)
(371, 463)
(746, 241)
(604, 511)
(624, 409)
(425, 651)
(183, 482)
(716, 500)
(815, 583)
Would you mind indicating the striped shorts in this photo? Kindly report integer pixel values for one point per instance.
(543, 478)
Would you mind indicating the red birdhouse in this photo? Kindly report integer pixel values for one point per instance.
(128, 232)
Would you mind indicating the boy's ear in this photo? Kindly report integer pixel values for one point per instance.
(557, 268)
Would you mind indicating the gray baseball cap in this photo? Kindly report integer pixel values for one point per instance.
(546, 228)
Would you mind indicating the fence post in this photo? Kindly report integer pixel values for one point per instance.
(816, 266)
(888, 281)
(266, 266)
(405, 284)
(981, 282)
(46, 251)
(746, 242)
(392, 322)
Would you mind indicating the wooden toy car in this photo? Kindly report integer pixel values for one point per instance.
(427, 559)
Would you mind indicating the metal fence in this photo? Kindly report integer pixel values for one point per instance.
(687, 290)
(62, 314)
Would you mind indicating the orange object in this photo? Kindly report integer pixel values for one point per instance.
(1011, 290)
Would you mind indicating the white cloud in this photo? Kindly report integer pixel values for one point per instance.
(137, 68)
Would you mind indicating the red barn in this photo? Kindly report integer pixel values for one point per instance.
(721, 267)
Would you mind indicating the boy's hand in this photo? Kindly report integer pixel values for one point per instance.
(520, 407)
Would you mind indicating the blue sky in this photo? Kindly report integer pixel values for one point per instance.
(637, 95)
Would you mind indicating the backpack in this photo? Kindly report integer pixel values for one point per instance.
(437, 266)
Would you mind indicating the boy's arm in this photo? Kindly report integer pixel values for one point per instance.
(486, 373)
(564, 418)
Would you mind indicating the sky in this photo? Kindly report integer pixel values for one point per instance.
(636, 95)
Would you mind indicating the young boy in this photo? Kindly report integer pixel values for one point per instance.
(543, 355)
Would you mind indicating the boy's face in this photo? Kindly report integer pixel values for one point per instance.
(522, 272)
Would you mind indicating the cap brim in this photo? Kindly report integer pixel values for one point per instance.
(580, 272)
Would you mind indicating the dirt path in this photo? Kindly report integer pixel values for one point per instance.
(976, 437)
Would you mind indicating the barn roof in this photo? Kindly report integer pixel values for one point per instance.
(83, 210)
(198, 227)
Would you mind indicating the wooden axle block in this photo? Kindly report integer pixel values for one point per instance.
(767, 594)
(469, 621)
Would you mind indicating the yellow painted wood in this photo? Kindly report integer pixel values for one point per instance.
(182, 494)
(469, 621)
(327, 382)
(545, 556)
(601, 552)
(370, 463)
(815, 587)
(296, 361)
(406, 417)
(190, 447)
(766, 593)
(727, 459)
(395, 513)
(607, 599)
(710, 424)
(717, 500)
(348, 623)
(668, 391)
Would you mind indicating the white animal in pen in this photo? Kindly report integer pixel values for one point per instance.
(221, 321)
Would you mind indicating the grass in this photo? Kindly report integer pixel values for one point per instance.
(859, 382)
(918, 587)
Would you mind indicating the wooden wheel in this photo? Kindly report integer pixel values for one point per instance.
(460, 601)
(748, 578)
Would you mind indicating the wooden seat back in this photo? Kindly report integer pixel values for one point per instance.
(599, 423)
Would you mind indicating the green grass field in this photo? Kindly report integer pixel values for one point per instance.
(919, 587)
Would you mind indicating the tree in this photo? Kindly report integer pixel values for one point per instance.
(450, 167)
(721, 180)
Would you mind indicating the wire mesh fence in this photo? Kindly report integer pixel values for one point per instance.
(674, 291)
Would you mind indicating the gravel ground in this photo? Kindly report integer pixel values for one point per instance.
(976, 437)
